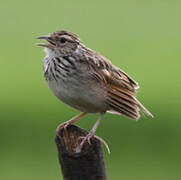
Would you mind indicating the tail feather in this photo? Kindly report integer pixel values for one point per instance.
(122, 111)
(143, 108)
(125, 103)
(121, 104)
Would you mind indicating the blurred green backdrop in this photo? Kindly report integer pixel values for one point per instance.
(141, 37)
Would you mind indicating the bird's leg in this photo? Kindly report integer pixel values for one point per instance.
(71, 121)
(92, 134)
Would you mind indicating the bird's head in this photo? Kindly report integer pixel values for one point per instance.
(62, 41)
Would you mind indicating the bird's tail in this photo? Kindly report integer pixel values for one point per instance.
(125, 103)
(143, 108)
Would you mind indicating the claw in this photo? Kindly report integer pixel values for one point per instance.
(62, 126)
(84, 139)
(88, 138)
(71, 121)
(104, 142)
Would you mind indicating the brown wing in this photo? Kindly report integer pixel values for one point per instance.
(121, 90)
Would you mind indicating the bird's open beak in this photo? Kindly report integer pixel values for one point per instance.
(44, 37)
(50, 44)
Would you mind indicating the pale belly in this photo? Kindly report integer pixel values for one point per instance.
(91, 99)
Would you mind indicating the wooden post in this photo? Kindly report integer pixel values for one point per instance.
(80, 164)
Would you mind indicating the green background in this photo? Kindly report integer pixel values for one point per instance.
(141, 37)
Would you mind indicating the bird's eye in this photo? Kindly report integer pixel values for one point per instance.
(63, 40)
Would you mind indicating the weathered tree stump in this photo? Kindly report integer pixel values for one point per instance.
(80, 164)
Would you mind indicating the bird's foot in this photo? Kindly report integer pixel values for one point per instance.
(69, 122)
(88, 139)
(104, 142)
(62, 126)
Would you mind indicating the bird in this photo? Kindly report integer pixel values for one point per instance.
(87, 81)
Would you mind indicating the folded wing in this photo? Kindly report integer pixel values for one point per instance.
(121, 90)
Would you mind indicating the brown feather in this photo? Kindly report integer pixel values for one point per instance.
(121, 94)
(122, 99)
(121, 88)
(122, 111)
(124, 104)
